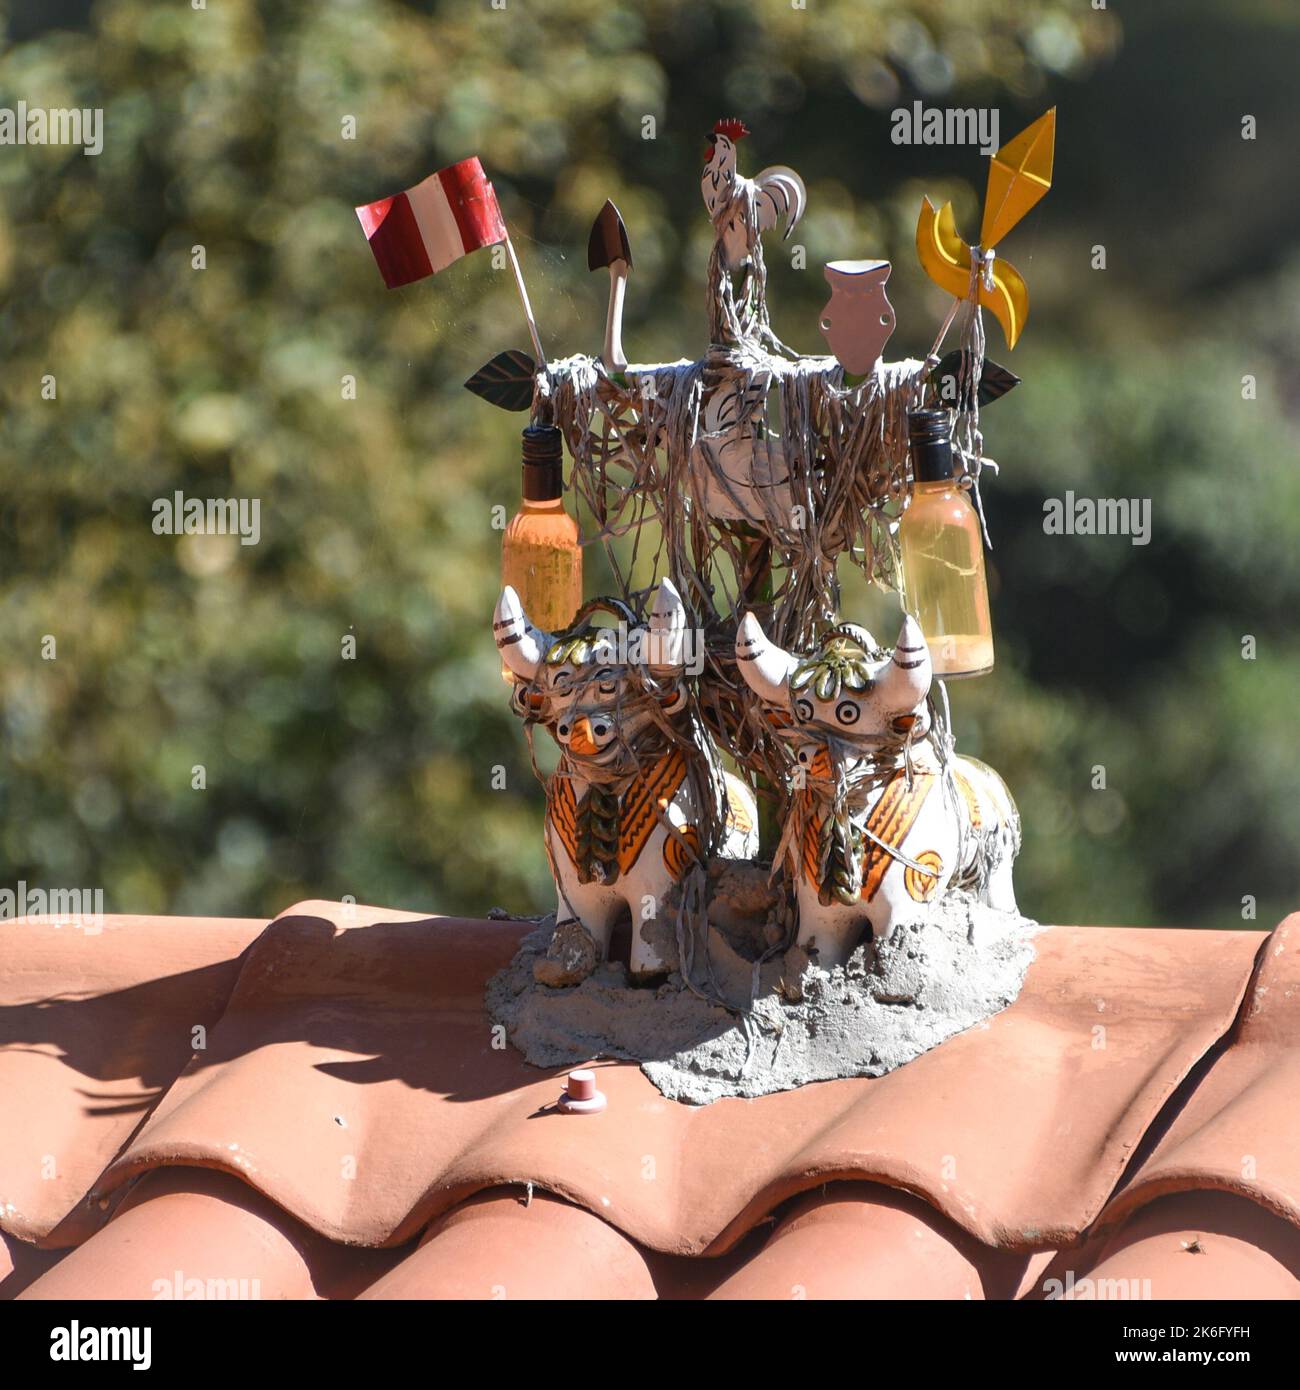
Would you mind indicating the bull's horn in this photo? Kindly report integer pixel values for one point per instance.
(664, 650)
(904, 681)
(521, 645)
(765, 666)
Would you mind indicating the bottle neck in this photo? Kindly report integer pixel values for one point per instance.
(546, 504)
(543, 482)
(929, 443)
(932, 461)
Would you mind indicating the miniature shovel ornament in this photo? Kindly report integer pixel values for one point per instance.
(608, 248)
(1019, 175)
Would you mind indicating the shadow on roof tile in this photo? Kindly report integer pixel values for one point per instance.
(94, 1028)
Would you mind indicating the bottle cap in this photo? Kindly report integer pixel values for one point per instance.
(929, 440)
(543, 463)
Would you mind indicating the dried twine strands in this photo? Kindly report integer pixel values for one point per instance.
(968, 440)
(642, 454)
(830, 482)
(839, 465)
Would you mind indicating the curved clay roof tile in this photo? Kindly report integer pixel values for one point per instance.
(349, 1099)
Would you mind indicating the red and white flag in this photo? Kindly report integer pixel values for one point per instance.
(425, 229)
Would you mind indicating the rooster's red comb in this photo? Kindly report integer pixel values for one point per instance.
(732, 127)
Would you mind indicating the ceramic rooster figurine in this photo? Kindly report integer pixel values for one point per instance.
(743, 208)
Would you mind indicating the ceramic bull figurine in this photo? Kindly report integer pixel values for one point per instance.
(625, 804)
(875, 823)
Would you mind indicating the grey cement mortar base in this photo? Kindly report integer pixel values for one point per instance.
(947, 968)
(944, 969)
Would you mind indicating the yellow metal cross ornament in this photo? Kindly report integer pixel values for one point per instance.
(1019, 174)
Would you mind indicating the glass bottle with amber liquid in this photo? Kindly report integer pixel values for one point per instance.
(942, 547)
(541, 558)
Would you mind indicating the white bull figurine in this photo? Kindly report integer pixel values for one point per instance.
(624, 807)
(875, 823)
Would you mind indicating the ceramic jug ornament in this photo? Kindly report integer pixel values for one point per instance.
(858, 319)
(626, 805)
(874, 822)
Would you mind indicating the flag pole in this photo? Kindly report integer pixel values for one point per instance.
(528, 308)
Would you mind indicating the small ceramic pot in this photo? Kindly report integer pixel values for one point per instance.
(858, 319)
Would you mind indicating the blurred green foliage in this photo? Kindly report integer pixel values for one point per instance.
(225, 129)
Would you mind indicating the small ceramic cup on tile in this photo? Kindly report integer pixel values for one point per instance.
(580, 1094)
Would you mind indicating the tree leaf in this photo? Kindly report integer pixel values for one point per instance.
(506, 381)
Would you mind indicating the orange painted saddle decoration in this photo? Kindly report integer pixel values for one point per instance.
(647, 796)
(891, 819)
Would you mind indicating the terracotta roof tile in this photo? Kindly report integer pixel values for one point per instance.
(198, 1224)
(1238, 1130)
(95, 1026)
(314, 1013)
(1195, 1245)
(351, 1129)
(498, 1246)
(22, 1264)
(857, 1240)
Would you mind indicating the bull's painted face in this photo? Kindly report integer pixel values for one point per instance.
(594, 711)
(834, 691)
(597, 698)
(847, 689)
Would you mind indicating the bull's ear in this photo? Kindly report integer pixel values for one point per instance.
(665, 655)
(521, 645)
(765, 666)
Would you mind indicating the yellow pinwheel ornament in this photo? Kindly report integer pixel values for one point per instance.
(1019, 174)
